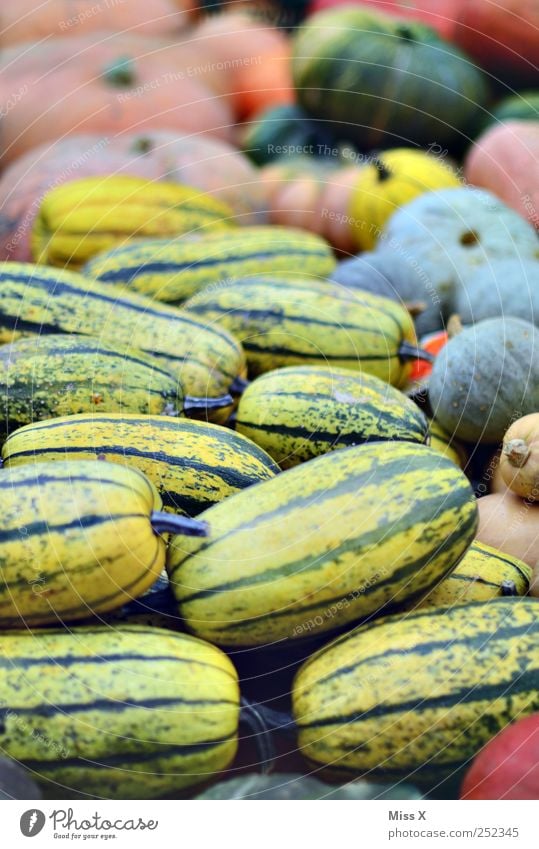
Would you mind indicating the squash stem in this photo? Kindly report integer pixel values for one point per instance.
(121, 72)
(407, 351)
(193, 404)
(171, 523)
(239, 385)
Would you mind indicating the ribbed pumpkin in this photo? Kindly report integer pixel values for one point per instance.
(209, 164)
(385, 81)
(389, 181)
(500, 34)
(27, 20)
(124, 82)
(504, 161)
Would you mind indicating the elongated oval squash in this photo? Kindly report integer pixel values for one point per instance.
(119, 713)
(324, 544)
(175, 270)
(193, 465)
(76, 539)
(81, 218)
(483, 573)
(443, 442)
(300, 412)
(419, 692)
(48, 376)
(37, 300)
(283, 322)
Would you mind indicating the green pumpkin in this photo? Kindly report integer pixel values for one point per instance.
(385, 82)
(486, 377)
(505, 287)
(384, 273)
(518, 107)
(446, 235)
(285, 131)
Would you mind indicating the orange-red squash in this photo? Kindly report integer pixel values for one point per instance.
(28, 20)
(122, 83)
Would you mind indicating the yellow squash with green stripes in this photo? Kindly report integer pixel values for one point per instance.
(300, 412)
(419, 695)
(444, 442)
(283, 322)
(83, 217)
(43, 377)
(193, 464)
(38, 300)
(176, 270)
(324, 544)
(77, 539)
(117, 713)
(483, 573)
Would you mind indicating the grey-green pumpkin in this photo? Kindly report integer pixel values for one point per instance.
(505, 287)
(486, 377)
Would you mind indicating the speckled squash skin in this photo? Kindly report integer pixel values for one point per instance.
(485, 376)
(373, 525)
(193, 464)
(301, 412)
(368, 702)
(35, 300)
(174, 271)
(76, 540)
(177, 727)
(313, 323)
(48, 376)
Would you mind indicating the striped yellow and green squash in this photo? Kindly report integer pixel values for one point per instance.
(43, 377)
(443, 442)
(283, 322)
(176, 270)
(83, 217)
(483, 573)
(194, 465)
(75, 539)
(423, 691)
(118, 713)
(300, 412)
(39, 300)
(324, 544)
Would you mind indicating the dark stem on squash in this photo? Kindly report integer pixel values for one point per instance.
(171, 523)
(239, 385)
(407, 352)
(142, 145)
(509, 588)
(192, 404)
(121, 72)
(383, 171)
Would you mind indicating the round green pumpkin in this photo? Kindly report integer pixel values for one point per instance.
(486, 377)
(385, 82)
(505, 287)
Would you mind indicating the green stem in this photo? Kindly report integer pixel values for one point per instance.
(407, 351)
(121, 72)
(193, 404)
(171, 523)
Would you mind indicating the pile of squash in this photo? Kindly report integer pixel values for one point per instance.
(269, 396)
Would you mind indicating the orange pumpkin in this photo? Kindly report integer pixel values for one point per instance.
(27, 20)
(254, 57)
(505, 161)
(313, 196)
(206, 163)
(121, 83)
